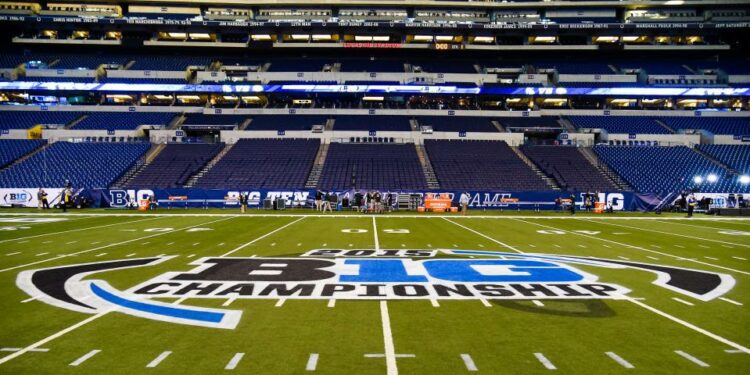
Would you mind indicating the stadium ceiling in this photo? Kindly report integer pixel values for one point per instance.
(438, 4)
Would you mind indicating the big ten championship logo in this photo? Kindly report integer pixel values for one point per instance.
(254, 198)
(615, 200)
(351, 274)
(17, 197)
(121, 198)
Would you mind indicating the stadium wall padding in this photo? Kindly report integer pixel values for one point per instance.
(226, 198)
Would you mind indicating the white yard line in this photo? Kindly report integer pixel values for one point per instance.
(636, 247)
(619, 360)
(52, 337)
(159, 359)
(331, 303)
(312, 362)
(246, 244)
(77, 230)
(691, 358)
(375, 234)
(690, 326)
(280, 302)
(229, 301)
(390, 350)
(469, 362)
(85, 357)
(672, 234)
(234, 361)
(537, 302)
(544, 361)
(111, 245)
(485, 302)
(503, 244)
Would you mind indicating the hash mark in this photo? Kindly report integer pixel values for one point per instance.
(469, 363)
(546, 362)
(85, 357)
(691, 358)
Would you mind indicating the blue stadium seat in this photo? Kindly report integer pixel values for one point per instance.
(12, 149)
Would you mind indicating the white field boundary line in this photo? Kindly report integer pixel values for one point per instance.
(110, 245)
(76, 230)
(637, 247)
(674, 234)
(52, 337)
(246, 244)
(402, 216)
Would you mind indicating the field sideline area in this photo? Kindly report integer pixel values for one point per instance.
(513, 301)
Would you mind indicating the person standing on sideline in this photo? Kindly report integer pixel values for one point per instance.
(45, 203)
(464, 201)
(243, 202)
(572, 204)
(65, 197)
(39, 198)
(318, 200)
(691, 205)
(327, 202)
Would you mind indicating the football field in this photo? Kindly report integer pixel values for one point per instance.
(204, 292)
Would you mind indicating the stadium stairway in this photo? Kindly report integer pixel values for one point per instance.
(317, 169)
(611, 175)
(498, 126)
(566, 124)
(328, 127)
(23, 158)
(73, 123)
(429, 173)
(715, 160)
(665, 126)
(414, 125)
(177, 121)
(551, 183)
(194, 178)
(139, 166)
(245, 124)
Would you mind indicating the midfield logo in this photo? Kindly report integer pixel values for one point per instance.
(351, 275)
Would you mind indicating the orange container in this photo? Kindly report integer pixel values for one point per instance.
(420, 209)
(599, 207)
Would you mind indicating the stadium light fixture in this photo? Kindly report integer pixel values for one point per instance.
(698, 179)
(745, 179)
(712, 178)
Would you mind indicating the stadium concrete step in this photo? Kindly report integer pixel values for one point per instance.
(716, 161)
(429, 172)
(177, 121)
(498, 126)
(547, 179)
(317, 169)
(139, 166)
(665, 126)
(73, 123)
(194, 178)
(245, 124)
(329, 126)
(566, 124)
(414, 125)
(604, 169)
(23, 158)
